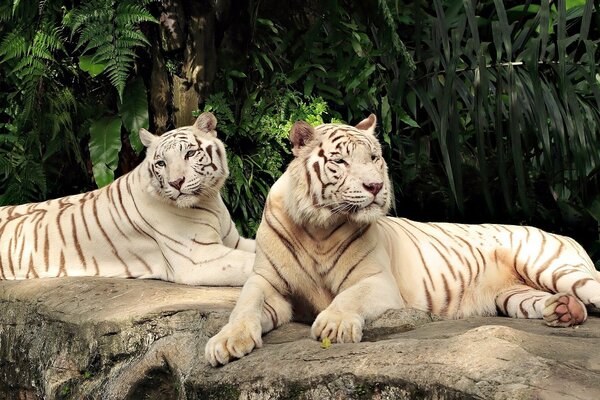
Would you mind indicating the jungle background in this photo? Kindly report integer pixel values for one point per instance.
(488, 110)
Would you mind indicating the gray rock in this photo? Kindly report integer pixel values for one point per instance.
(91, 338)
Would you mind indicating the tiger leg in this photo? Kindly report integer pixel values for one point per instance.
(576, 281)
(343, 320)
(259, 309)
(560, 309)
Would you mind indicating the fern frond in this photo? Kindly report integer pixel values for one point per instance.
(95, 40)
(90, 13)
(18, 191)
(118, 71)
(135, 38)
(110, 32)
(48, 38)
(40, 52)
(123, 52)
(130, 13)
(5, 11)
(61, 108)
(6, 167)
(14, 45)
(64, 100)
(18, 10)
(33, 172)
(28, 67)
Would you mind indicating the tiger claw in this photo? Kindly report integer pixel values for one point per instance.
(338, 327)
(235, 340)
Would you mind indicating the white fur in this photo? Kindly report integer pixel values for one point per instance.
(136, 227)
(344, 267)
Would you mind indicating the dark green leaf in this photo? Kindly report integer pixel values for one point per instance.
(134, 112)
(105, 144)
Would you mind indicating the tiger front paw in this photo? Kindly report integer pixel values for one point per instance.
(338, 326)
(235, 340)
(563, 309)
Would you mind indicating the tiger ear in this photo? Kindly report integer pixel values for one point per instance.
(300, 134)
(146, 137)
(207, 123)
(368, 124)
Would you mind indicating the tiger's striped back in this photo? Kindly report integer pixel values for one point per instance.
(141, 226)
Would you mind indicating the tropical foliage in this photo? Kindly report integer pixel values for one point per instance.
(257, 145)
(108, 30)
(514, 98)
(508, 96)
(53, 100)
(489, 109)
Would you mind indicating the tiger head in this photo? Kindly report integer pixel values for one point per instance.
(338, 173)
(186, 164)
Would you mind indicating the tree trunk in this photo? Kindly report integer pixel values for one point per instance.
(184, 60)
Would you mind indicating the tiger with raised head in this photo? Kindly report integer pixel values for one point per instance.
(163, 220)
(326, 249)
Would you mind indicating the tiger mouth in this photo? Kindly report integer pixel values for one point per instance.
(353, 208)
(181, 195)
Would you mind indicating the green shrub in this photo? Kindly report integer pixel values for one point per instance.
(257, 145)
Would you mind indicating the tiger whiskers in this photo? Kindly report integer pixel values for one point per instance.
(345, 208)
(206, 191)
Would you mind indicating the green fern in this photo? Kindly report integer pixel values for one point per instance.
(45, 95)
(14, 45)
(109, 30)
(40, 110)
(15, 9)
(31, 59)
(22, 178)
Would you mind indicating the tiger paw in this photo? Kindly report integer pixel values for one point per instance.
(338, 326)
(235, 340)
(563, 309)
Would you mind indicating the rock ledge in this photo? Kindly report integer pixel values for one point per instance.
(93, 338)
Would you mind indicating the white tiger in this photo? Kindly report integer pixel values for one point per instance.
(163, 220)
(326, 249)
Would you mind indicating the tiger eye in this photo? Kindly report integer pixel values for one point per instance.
(160, 163)
(190, 153)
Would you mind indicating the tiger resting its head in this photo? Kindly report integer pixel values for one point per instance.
(338, 173)
(186, 164)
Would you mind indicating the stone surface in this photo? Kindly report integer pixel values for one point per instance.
(91, 338)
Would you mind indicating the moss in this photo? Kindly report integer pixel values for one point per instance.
(364, 391)
(66, 390)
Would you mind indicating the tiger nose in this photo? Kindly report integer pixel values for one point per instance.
(373, 187)
(177, 183)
